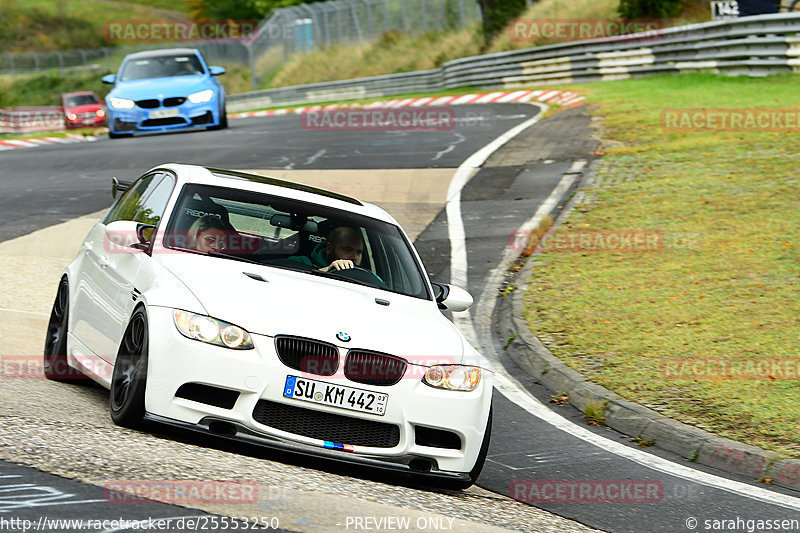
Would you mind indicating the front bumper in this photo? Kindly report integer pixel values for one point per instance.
(254, 378)
(184, 116)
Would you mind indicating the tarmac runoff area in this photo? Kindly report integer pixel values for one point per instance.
(66, 430)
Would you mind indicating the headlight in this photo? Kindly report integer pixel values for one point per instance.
(453, 377)
(202, 96)
(211, 330)
(101, 113)
(72, 116)
(121, 103)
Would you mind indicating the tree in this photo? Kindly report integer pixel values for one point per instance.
(641, 9)
(498, 13)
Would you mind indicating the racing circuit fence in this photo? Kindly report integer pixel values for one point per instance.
(753, 46)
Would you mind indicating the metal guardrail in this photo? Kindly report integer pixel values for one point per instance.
(753, 46)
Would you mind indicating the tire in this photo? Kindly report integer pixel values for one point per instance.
(55, 362)
(129, 379)
(223, 120)
(463, 484)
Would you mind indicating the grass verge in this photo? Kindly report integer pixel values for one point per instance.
(724, 287)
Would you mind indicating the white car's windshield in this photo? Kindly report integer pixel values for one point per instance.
(286, 233)
(161, 67)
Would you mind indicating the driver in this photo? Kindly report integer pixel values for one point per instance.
(343, 250)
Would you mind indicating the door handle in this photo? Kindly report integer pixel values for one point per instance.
(103, 261)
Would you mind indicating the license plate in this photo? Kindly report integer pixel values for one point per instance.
(164, 113)
(320, 392)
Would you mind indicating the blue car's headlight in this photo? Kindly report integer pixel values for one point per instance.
(202, 96)
(207, 329)
(121, 103)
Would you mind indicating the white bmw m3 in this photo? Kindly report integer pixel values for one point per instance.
(277, 313)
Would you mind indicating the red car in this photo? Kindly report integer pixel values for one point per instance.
(83, 109)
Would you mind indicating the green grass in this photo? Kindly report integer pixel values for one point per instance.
(394, 52)
(733, 294)
(42, 25)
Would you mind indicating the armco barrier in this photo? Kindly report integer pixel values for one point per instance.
(25, 119)
(754, 46)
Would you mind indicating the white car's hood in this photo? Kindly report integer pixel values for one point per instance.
(296, 303)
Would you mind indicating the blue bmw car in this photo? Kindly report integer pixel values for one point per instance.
(165, 90)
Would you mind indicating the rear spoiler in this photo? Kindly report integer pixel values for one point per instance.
(119, 186)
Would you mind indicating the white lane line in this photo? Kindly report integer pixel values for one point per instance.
(455, 226)
(3, 309)
(508, 385)
(316, 156)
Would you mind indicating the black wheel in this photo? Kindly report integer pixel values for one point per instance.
(223, 120)
(462, 484)
(128, 382)
(55, 345)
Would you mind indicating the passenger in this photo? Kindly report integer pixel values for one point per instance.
(343, 250)
(207, 234)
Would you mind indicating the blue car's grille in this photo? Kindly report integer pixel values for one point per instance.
(148, 104)
(175, 101)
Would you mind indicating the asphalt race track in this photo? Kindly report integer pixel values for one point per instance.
(64, 429)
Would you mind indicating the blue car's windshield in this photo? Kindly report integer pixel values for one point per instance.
(161, 67)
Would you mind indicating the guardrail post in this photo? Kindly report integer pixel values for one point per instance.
(36, 61)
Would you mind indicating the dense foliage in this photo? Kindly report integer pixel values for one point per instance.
(638, 9)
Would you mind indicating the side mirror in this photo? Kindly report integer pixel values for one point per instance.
(122, 234)
(118, 185)
(216, 71)
(110, 79)
(452, 298)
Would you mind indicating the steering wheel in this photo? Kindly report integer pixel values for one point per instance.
(362, 274)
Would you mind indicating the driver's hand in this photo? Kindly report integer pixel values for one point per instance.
(339, 264)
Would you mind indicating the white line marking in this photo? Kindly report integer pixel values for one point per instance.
(315, 156)
(3, 309)
(458, 251)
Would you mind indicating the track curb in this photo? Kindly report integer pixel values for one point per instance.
(625, 416)
(563, 98)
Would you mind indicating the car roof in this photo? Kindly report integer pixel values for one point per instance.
(161, 52)
(276, 187)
